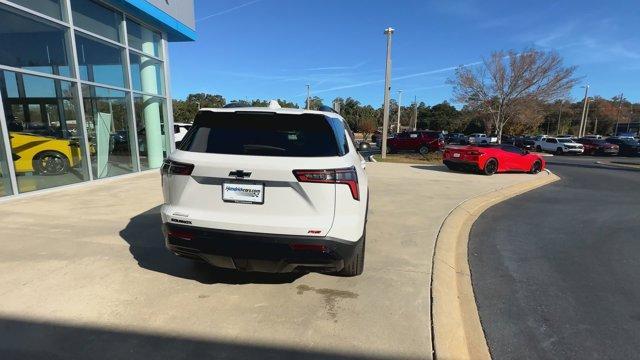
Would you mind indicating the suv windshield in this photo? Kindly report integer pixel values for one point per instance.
(264, 134)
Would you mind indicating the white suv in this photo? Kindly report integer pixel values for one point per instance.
(270, 190)
(559, 145)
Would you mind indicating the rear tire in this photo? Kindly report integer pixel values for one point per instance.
(423, 150)
(355, 265)
(559, 151)
(490, 167)
(536, 167)
(50, 163)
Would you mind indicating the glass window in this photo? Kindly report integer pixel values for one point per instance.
(100, 62)
(306, 135)
(30, 44)
(47, 7)
(5, 185)
(108, 131)
(42, 120)
(151, 126)
(143, 39)
(96, 18)
(146, 74)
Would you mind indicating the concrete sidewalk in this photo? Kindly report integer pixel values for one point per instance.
(85, 269)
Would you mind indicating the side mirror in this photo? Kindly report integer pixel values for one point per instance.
(363, 146)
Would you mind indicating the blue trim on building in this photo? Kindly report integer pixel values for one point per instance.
(176, 31)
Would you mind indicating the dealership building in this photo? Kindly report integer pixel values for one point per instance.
(85, 89)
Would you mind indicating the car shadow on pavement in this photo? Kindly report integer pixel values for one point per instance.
(441, 168)
(146, 243)
(38, 339)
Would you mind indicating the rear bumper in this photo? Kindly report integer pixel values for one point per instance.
(464, 165)
(258, 252)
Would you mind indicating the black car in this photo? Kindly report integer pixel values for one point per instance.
(524, 142)
(628, 147)
(456, 138)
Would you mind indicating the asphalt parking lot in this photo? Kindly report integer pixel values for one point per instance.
(555, 271)
(84, 271)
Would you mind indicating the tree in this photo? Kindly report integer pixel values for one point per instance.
(508, 82)
(314, 103)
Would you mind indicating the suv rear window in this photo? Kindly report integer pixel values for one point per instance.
(262, 134)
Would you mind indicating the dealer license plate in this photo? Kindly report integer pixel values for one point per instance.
(243, 193)
(456, 155)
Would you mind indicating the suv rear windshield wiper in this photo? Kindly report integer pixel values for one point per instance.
(253, 148)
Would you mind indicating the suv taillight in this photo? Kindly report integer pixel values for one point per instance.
(170, 167)
(346, 176)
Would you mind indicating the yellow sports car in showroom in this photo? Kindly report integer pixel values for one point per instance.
(43, 155)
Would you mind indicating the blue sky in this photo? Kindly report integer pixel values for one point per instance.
(272, 48)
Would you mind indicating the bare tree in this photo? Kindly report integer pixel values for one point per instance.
(507, 82)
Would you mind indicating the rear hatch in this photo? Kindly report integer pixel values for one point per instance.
(243, 177)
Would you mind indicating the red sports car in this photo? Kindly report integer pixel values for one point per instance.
(490, 159)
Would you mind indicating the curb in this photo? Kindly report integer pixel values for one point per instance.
(456, 329)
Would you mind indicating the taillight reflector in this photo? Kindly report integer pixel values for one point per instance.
(308, 247)
(170, 167)
(347, 176)
(181, 234)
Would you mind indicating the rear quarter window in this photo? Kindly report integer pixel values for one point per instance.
(262, 134)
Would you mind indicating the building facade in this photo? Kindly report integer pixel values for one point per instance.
(85, 88)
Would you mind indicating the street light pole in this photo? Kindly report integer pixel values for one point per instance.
(584, 109)
(618, 115)
(399, 110)
(308, 96)
(586, 118)
(559, 117)
(415, 113)
(387, 87)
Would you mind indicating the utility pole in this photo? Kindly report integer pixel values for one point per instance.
(399, 111)
(584, 109)
(308, 96)
(618, 115)
(387, 87)
(415, 113)
(586, 118)
(595, 126)
(559, 117)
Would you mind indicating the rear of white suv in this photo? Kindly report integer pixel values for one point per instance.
(272, 190)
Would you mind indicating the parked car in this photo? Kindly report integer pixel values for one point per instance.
(43, 155)
(593, 137)
(507, 139)
(456, 138)
(524, 142)
(376, 137)
(420, 141)
(490, 159)
(478, 138)
(594, 146)
(274, 191)
(558, 146)
(627, 147)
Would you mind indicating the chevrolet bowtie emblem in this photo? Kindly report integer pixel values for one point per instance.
(240, 174)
